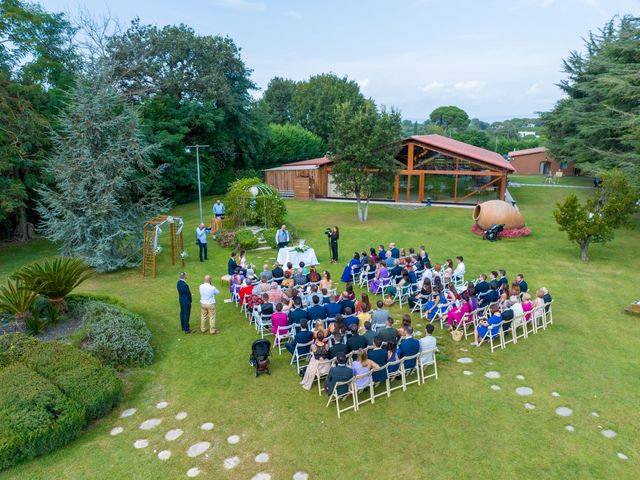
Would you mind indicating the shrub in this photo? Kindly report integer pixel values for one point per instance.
(226, 238)
(13, 347)
(77, 298)
(246, 240)
(268, 209)
(17, 299)
(35, 416)
(115, 335)
(34, 324)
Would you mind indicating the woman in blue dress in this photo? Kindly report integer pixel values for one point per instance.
(352, 268)
(431, 308)
(491, 325)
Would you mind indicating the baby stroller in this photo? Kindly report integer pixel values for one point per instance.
(492, 233)
(259, 359)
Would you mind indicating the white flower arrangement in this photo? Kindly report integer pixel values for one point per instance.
(158, 250)
(183, 254)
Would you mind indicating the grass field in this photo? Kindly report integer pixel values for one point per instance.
(455, 427)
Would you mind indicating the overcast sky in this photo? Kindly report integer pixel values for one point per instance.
(495, 58)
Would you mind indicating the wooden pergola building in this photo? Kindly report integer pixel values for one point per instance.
(430, 168)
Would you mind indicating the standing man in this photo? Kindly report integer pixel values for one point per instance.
(184, 297)
(282, 237)
(208, 305)
(201, 240)
(334, 237)
(218, 209)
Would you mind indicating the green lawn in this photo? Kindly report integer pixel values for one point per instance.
(455, 427)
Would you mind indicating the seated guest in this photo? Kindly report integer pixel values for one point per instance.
(368, 333)
(277, 274)
(502, 278)
(337, 346)
(515, 289)
(236, 281)
(325, 281)
(493, 275)
(482, 286)
(261, 287)
(243, 292)
(521, 283)
(490, 325)
(303, 336)
(381, 357)
(392, 356)
(460, 270)
(412, 276)
(507, 315)
(355, 341)
(547, 298)
(527, 306)
(395, 253)
(363, 316)
(373, 254)
(313, 276)
(396, 269)
(352, 268)
(456, 314)
(317, 362)
(313, 292)
(276, 295)
(382, 254)
(299, 278)
(290, 269)
(427, 343)
(389, 260)
(232, 265)
(288, 280)
(380, 280)
(316, 311)
(423, 295)
(448, 269)
(339, 326)
(388, 334)
(251, 276)
(370, 269)
(298, 313)
(278, 320)
(339, 373)
(380, 315)
(492, 296)
(409, 346)
(348, 293)
(265, 308)
(266, 273)
(364, 300)
(304, 269)
(538, 304)
(325, 296)
(362, 365)
(333, 308)
(349, 318)
(438, 301)
(406, 322)
(346, 302)
(516, 308)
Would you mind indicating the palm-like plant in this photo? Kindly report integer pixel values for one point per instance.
(17, 299)
(55, 278)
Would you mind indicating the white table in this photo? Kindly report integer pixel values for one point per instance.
(287, 254)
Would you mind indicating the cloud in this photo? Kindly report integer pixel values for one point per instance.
(533, 89)
(469, 86)
(364, 83)
(435, 85)
(293, 13)
(247, 5)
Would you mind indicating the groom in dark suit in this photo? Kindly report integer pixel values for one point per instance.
(184, 297)
(339, 373)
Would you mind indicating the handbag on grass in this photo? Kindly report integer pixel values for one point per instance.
(456, 335)
(388, 301)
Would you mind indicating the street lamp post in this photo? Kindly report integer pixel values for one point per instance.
(188, 150)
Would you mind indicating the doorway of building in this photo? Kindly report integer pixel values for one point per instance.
(545, 168)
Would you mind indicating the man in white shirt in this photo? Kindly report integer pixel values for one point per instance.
(208, 305)
(458, 273)
(427, 344)
(201, 240)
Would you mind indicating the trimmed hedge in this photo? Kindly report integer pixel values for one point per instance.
(115, 335)
(35, 416)
(246, 239)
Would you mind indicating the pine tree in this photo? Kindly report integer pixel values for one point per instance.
(104, 185)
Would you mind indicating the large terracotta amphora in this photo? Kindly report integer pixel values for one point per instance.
(496, 211)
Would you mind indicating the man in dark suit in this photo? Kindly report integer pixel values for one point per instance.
(482, 287)
(333, 308)
(277, 274)
(502, 278)
(338, 346)
(507, 316)
(356, 341)
(349, 319)
(395, 253)
(184, 297)
(547, 298)
(380, 356)
(492, 296)
(316, 311)
(339, 373)
(346, 303)
(409, 346)
(231, 264)
(297, 314)
(388, 334)
(523, 285)
(396, 270)
(382, 253)
(303, 336)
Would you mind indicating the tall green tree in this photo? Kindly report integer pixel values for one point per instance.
(473, 137)
(594, 222)
(364, 145)
(315, 102)
(104, 184)
(277, 100)
(597, 125)
(451, 118)
(289, 143)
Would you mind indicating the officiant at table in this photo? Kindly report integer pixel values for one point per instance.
(282, 237)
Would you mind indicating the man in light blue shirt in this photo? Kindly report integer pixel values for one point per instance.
(218, 209)
(201, 240)
(282, 237)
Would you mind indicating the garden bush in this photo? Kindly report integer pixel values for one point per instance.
(226, 238)
(35, 416)
(246, 240)
(268, 209)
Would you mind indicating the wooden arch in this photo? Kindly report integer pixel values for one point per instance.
(151, 230)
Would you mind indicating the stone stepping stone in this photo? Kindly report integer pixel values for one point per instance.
(524, 391)
(198, 449)
(595, 414)
(468, 372)
(141, 443)
(570, 428)
(262, 457)
(128, 412)
(555, 394)
(529, 406)
(609, 433)
(149, 424)
(622, 456)
(492, 374)
(181, 416)
(465, 360)
(231, 462)
(193, 472)
(496, 387)
(305, 475)
(173, 434)
(161, 405)
(262, 476)
(564, 411)
(207, 426)
(233, 439)
(116, 431)
(164, 455)
(520, 377)
(464, 350)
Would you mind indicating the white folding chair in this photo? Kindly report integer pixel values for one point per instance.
(263, 324)
(391, 376)
(361, 393)
(283, 335)
(320, 376)
(408, 371)
(424, 365)
(548, 314)
(493, 336)
(351, 392)
(298, 357)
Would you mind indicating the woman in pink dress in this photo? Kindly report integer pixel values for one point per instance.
(455, 315)
(279, 319)
(527, 306)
